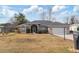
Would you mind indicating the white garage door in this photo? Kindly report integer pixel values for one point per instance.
(59, 31)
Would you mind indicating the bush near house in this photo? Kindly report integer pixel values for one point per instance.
(78, 29)
(42, 31)
(28, 30)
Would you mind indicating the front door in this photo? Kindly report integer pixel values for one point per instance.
(34, 29)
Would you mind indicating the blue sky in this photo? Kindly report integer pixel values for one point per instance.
(33, 12)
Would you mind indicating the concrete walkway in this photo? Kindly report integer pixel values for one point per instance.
(69, 36)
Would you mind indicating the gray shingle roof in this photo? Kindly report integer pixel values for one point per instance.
(45, 22)
(50, 24)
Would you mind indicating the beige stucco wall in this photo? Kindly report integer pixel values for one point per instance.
(50, 31)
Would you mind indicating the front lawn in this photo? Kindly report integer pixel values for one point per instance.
(34, 43)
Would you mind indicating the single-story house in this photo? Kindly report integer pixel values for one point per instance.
(7, 27)
(40, 26)
(1, 28)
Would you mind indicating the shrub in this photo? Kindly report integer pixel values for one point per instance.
(28, 30)
(43, 31)
(78, 29)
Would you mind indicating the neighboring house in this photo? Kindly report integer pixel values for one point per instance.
(1, 28)
(44, 26)
(7, 27)
(73, 27)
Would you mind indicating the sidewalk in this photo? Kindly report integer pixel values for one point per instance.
(69, 36)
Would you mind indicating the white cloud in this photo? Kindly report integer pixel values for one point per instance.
(7, 11)
(65, 13)
(34, 8)
(62, 16)
(58, 8)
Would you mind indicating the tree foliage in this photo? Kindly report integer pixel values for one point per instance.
(72, 20)
(18, 19)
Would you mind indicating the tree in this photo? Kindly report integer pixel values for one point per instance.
(43, 15)
(50, 14)
(20, 18)
(72, 20)
(16, 20)
(66, 20)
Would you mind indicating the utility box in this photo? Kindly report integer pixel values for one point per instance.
(76, 39)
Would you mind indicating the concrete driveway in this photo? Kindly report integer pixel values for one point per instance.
(68, 36)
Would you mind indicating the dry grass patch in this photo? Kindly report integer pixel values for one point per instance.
(34, 43)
